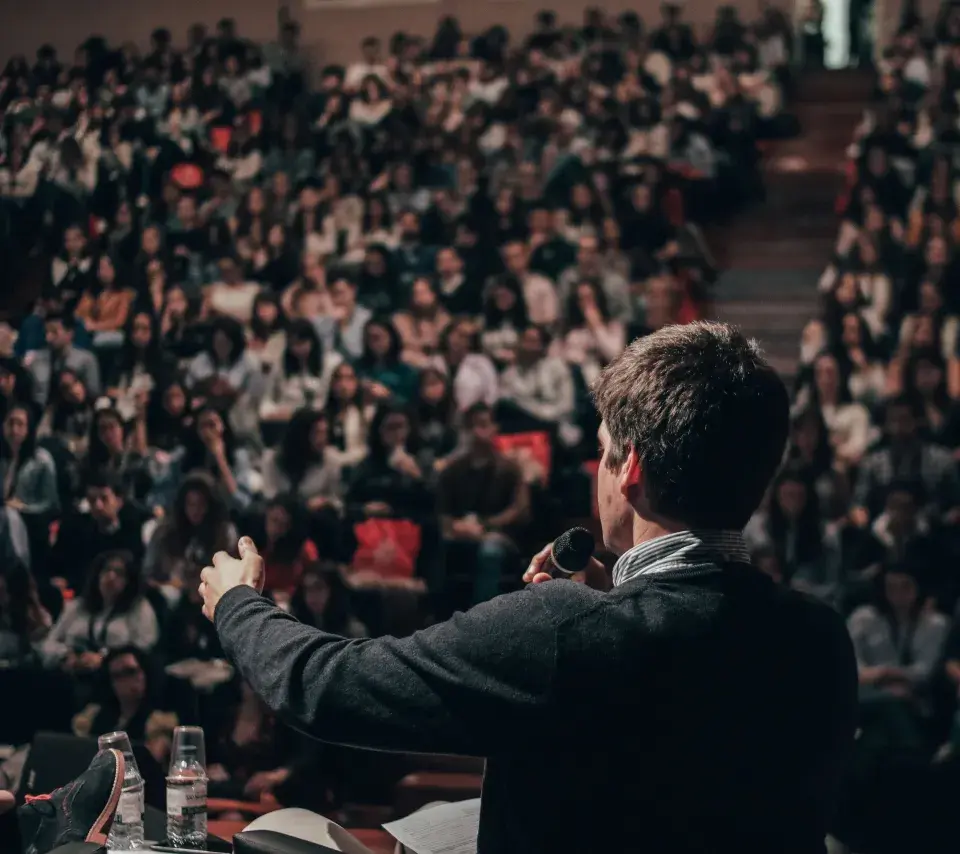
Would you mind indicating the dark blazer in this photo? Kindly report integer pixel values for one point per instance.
(686, 712)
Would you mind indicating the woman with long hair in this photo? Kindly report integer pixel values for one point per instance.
(303, 464)
(865, 371)
(287, 545)
(210, 446)
(128, 698)
(28, 473)
(791, 526)
(16, 384)
(180, 331)
(168, 417)
(302, 379)
(220, 374)
(592, 337)
(68, 415)
(504, 316)
(390, 481)
(265, 337)
(384, 376)
(197, 526)
(110, 448)
(140, 365)
(322, 600)
(421, 325)
(276, 264)
(105, 306)
(110, 613)
(827, 388)
(435, 417)
(925, 379)
(348, 416)
(473, 376)
(24, 622)
(898, 641)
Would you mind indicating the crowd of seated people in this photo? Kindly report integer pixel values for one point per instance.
(357, 320)
(865, 512)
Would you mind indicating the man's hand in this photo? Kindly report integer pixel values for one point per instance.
(229, 572)
(595, 575)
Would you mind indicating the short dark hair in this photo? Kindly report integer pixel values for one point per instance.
(475, 410)
(101, 478)
(708, 416)
(64, 318)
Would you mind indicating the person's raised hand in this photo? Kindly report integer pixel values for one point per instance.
(229, 572)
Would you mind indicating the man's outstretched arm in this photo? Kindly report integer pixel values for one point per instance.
(473, 685)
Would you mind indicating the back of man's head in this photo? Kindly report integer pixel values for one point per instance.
(708, 416)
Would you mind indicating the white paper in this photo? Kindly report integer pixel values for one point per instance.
(310, 827)
(446, 829)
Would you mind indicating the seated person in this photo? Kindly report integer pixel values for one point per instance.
(389, 481)
(536, 392)
(287, 546)
(483, 504)
(251, 754)
(24, 622)
(111, 613)
(322, 600)
(109, 524)
(302, 378)
(128, 700)
(197, 526)
(899, 642)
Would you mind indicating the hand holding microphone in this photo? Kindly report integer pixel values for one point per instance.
(569, 557)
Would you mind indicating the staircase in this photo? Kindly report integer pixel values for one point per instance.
(773, 254)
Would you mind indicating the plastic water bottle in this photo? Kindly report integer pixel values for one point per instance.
(187, 792)
(126, 832)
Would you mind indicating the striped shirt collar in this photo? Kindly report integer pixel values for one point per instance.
(680, 550)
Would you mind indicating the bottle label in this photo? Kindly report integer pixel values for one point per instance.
(187, 800)
(130, 810)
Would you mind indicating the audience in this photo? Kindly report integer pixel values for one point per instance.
(865, 512)
(360, 320)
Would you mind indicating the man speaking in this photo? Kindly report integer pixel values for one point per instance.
(691, 706)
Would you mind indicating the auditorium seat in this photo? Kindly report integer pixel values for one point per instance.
(424, 787)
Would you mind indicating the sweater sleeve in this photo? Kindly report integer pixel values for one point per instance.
(474, 685)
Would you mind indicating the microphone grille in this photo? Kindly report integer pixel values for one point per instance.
(573, 549)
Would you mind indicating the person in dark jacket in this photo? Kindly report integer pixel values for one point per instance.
(685, 704)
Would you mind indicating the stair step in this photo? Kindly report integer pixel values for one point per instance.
(762, 317)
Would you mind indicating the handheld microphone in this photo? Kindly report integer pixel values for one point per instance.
(571, 552)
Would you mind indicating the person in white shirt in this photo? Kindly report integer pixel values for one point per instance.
(231, 296)
(536, 392)
(302, 379)
(110, 613)
(370, 65)
(371, 105)
(593, 338)
(539, 293)
(472, 374)
(848, 423)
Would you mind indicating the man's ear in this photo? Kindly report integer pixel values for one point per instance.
(631, 473)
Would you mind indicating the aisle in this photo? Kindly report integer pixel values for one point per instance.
(773, 254)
